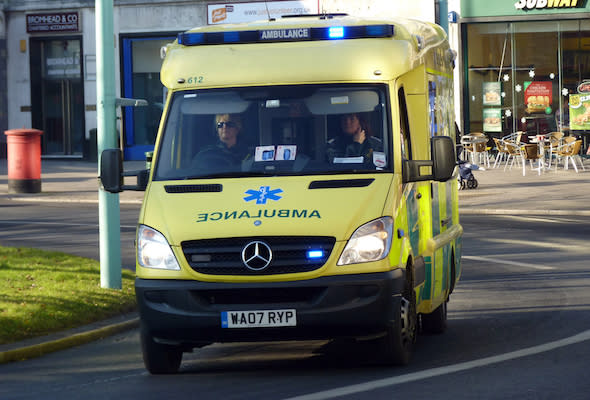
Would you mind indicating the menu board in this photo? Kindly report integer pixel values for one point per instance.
(579, 107)
(538, 97)
(492, 120)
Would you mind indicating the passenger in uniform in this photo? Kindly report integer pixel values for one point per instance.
(355, 140)
(228, 151)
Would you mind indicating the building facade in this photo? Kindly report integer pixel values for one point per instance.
(48, 60)
(525, 66)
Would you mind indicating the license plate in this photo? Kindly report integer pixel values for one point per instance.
(258, 318)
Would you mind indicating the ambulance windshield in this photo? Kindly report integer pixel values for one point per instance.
(285, 130)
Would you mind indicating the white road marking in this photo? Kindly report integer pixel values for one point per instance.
(429, 373)
(508, 262)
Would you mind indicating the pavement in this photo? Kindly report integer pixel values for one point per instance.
(499, 191)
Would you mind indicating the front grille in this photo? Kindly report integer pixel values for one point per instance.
(289, 254)
(235, 296)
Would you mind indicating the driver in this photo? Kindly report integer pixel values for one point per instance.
(228, 150)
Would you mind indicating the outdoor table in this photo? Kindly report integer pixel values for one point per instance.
(473, 140)
(543, 143)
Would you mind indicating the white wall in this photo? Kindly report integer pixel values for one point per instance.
(160, 18)
(454, 40)
(416, 9)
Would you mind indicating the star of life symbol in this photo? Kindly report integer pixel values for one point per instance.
(262, 195)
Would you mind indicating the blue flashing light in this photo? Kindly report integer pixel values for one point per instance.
(191, 39)
(231, 37)
(378, 30)
(336, 32)
(315, 254)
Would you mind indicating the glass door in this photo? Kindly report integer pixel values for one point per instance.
(536, 77)
(57, 97)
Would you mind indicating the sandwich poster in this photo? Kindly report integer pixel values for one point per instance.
(492, 94)
(492, 120)
(538, 97)
(579, 106)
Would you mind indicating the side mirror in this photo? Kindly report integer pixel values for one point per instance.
(111, 170)
(111, 173)
(443, 157)
(440, 168)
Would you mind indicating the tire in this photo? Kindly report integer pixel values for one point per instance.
(159, 358)
(436, 321)
(397, 346)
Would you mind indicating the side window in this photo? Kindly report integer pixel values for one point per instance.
(404, 126)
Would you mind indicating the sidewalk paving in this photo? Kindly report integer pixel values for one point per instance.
(561, 192)
(553, 192)
(70, 181)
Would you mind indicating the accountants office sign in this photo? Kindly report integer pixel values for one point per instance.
(55, 22)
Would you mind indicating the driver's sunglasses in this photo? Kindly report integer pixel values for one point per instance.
(228, 124)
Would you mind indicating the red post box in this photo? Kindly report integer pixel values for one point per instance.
(24, 160)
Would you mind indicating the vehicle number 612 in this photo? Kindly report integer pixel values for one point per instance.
(194, 80)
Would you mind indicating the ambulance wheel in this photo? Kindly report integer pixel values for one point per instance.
(397, 345)
(159, 358)
(436, 321)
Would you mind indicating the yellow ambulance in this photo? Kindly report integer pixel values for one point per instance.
(302, 187)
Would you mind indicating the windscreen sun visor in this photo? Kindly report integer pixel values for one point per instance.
(214, 103)
(330, 102)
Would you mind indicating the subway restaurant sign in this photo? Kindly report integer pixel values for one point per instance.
(531, 4)
(506, 8)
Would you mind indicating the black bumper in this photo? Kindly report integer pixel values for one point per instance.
(189, 312)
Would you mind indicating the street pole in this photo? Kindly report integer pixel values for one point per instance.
(109, 217)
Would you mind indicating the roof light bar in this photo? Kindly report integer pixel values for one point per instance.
(286, 35)
(336, 32)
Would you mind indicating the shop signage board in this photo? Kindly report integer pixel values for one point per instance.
(500, 8)
(54, 22)
(543, 4)
(246, 12)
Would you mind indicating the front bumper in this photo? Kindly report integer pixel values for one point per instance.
(189, 312)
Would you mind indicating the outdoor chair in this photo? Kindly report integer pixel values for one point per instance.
(513, 150)
(479, 149)
(554, 140)
(531, 152)
(501, 152)
(513, 137)
(570, 151)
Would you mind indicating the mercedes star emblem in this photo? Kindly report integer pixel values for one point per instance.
(256, 255)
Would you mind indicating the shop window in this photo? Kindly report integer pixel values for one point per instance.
(536, 77)
(520, 76)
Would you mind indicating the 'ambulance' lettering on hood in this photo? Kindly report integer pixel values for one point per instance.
(268, 214)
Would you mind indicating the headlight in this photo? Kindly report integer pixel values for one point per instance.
(153, 250)
(370, 242)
